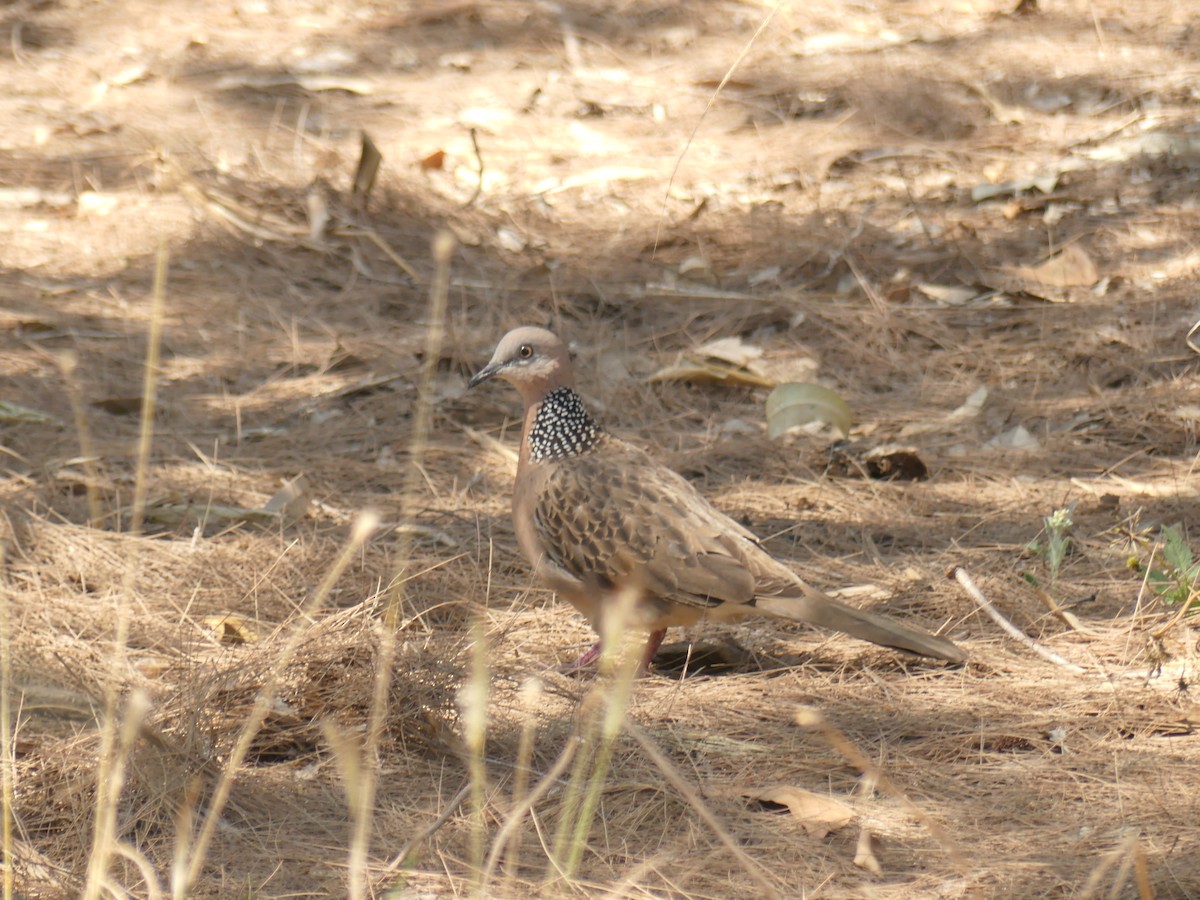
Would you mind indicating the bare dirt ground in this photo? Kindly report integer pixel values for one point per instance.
(875, 192)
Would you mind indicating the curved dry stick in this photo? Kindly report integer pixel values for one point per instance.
(514, 819)
(959, 574)
(451, 807)
(697, 803)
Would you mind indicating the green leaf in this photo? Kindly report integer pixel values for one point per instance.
(1175, 549)
(793, 405)
(1157, 578)
(11, 412)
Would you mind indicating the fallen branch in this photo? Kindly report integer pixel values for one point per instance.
(960, 575)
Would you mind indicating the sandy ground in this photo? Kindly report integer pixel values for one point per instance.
(974, 222)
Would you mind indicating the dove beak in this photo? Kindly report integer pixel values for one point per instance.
(487, 372)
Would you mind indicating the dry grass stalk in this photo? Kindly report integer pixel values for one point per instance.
(7, 762)
(117, 736)
(442, 250)
(825, 254)
(198, 848)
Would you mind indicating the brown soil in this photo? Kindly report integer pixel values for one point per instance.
(821, 207)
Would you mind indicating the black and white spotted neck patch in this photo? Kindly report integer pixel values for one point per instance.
(562, 428)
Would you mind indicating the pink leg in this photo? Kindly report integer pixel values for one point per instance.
(586, 660)
(652, 644)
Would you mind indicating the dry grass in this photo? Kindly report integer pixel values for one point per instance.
(827, 184)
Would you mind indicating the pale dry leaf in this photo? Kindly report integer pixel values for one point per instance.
(96, 204)
(795, 405)
(189, 515)
(1043, 183)
(1070, 268)
(230, 629)
(864, 853)
(819, 814)
(318, 215)
(19, 197)
(510, 240)
(710, 372)
(732, 350)
(862, 593)
(291, 501)
(1016, 438)
(313, 83)
(695, 263)
(972, 406)
(948, 294)
(1065, 616)
(763, 276)
(130, 74)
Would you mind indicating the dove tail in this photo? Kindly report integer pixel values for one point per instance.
(817, 609)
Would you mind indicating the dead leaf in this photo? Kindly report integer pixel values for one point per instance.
(290, 502)
(601, 175)
(864, 853)
(19, 197)
(795, 405)
(732, 350)
(971, 407)
(130, 75)
(1067, 617)
(369, 160)
(435, 160)
(189, 515)
(230, 629)
(1016, 438)
(819, 814)
(950, 294)
(94, 203)
(1070, 268)
(314, 83)
(695, 265)
(508, 239)
(318, 215)
(1044, 183)
(702, 371)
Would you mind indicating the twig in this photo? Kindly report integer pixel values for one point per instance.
(522, 809)
(451, 807)
(479, 159)
(696, 128)
(697, 803)
(811, 717)
(960, 575)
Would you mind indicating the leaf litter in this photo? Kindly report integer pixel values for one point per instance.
(1058, 782)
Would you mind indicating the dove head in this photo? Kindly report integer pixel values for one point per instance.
(533, 360)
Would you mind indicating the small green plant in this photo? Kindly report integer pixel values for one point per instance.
(1175, 580)
(1057, 530)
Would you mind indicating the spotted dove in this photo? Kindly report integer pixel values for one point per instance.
(595, 516)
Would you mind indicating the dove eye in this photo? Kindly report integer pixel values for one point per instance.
(525, 352)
